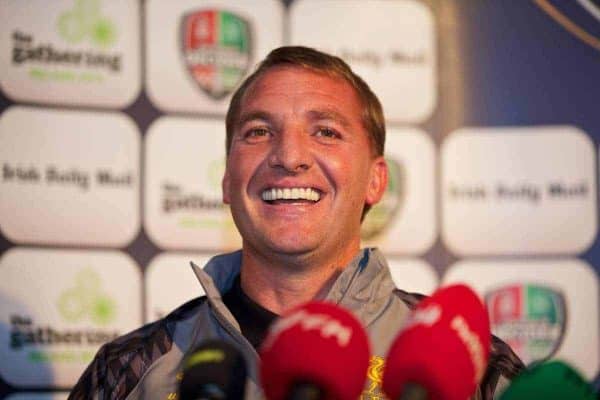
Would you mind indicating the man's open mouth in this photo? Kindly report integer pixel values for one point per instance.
(290, 195)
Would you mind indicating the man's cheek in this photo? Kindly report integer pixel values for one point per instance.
(225, 188)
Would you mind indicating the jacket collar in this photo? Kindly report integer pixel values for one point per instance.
(364, 286)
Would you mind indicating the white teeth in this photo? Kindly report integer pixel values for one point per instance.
(290, 194)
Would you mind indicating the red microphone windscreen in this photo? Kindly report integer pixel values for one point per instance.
(319, 343)
(444, 346)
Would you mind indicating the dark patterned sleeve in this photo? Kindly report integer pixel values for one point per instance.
(120, 364)
(503, 361)
(91, 382)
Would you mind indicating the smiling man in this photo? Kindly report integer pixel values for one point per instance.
(305, 141)
(301, 167)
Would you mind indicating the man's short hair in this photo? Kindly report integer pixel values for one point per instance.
(317, 61)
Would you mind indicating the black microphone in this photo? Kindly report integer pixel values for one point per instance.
(215, 370)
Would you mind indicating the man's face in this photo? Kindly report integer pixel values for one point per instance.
(300, 167)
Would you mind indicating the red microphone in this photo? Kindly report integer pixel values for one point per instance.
(442, 351)
(315, 351)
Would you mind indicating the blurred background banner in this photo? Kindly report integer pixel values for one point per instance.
(112, 151)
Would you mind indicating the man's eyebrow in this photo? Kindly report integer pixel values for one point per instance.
(329, 114)
(315, 115)
(254, 115)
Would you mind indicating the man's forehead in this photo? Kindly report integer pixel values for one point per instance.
(333, 94)
(292, 73)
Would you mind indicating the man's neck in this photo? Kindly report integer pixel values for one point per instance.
(280, 283)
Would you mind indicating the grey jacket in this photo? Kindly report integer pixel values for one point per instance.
(147, 363)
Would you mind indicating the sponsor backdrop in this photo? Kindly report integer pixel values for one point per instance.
(111, 155)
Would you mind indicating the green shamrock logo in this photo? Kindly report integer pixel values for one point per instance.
(85, 21)
(86, 299)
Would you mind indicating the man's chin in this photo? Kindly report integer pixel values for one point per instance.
(288, 247)
(293, 248)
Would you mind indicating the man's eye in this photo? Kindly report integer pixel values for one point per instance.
(327, 133)
(256, 134)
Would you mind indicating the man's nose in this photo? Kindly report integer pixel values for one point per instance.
(291, 151)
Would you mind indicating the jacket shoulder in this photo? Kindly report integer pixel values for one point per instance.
(120, 364)
(503, 360)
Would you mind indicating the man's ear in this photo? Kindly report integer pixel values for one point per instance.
(377, 181)
(225, 186)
